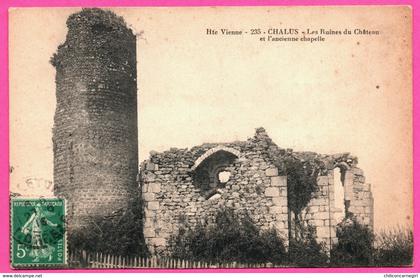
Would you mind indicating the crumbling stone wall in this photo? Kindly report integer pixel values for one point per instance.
(174, 195)
(361, 198)
(95, 122)
(321, 212)
(179, 187)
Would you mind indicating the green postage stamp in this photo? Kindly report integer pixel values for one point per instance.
(38, 232)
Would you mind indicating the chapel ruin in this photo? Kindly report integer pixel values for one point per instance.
(183, 186)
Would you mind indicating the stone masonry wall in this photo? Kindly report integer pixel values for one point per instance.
(172, 198)
(95, 122)
(321, 211)
(361, 198)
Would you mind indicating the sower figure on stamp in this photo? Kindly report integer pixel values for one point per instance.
(34, 226)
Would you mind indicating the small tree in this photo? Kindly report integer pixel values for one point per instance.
(306, 251)
(354, 246)
(230, 238)
(302, 174)
(119, 234)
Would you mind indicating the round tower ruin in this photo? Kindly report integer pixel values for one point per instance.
(95, 124)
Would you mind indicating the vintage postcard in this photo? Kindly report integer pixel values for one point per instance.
(211, 137)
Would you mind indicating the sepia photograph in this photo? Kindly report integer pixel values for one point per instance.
(211, 137)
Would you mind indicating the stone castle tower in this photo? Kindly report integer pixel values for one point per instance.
(95, 124)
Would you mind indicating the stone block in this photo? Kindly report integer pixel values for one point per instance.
(272, 192)
(149, 232)
(163, 234)
(150, 166)
(281, 217)
(276, 210)
(323, 201)
(283, 191)
(148, 223)
(321, 215)
(149, 214)
(357, 171)
(317, 222)
(157, 241)
(235, 187)
(322, 232)
(278, 181)
(150, 177)
(279, 201)
(271, 172)
(314, 209)
(314, 202)
(215, 197)
(280, 225)
(148, 196)
(357, 210)
(153, 205)
(154, 187)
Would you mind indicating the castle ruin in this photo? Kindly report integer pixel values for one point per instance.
(96, 155)
(95, 139)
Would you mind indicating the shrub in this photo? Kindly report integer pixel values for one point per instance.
(230, 238)
(301, 180)
(394, 248)
(118, 234)
(354, 246)
(306, 251)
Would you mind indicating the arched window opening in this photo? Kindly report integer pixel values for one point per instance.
(211, 173)
(339, 212)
